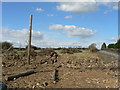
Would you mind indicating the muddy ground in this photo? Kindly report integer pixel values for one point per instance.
(78, 70)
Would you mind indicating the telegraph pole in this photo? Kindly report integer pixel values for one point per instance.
(29, 39)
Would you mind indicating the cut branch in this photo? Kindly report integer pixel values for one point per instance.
(20, 75)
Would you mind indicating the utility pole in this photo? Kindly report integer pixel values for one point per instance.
(29, 39)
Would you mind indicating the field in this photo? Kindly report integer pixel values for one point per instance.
(78, 70)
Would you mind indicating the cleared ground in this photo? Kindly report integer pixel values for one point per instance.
(78, 70)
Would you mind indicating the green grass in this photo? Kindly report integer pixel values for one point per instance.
(37, 50)
(84, 54)
(19, 51)
(58, 51)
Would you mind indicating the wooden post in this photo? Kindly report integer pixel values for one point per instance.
(55, 76)
(29, 39)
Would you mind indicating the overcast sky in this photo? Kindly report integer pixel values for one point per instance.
(57, 24)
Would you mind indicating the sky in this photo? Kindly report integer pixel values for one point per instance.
(60, 24)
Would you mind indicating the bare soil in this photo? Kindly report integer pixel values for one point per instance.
(78, 70)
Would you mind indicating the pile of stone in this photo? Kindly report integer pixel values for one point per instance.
(11, 55)
(50, 60)
(90, 63)
(14, 55)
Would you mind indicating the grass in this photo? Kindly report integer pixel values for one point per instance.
(106, 58)
(58, 51)
(112, 51)
(85, 54)
(19, 51)
(37, 50)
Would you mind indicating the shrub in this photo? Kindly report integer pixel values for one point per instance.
(46, 51)
(103, 46)
(116, 45)
(32, 47)
(6, 46)
(93, 48)
(111, 45)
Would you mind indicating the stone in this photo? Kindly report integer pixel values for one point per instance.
(45, 84)
(33, 86)
(37, 84)
(3, 86)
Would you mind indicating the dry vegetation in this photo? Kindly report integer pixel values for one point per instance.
(76, 69)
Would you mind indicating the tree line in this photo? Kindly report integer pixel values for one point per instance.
(7, 45)
(112, 45)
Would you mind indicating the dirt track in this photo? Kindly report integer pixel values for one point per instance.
(78, 70)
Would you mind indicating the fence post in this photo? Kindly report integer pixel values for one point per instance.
(29, 39)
